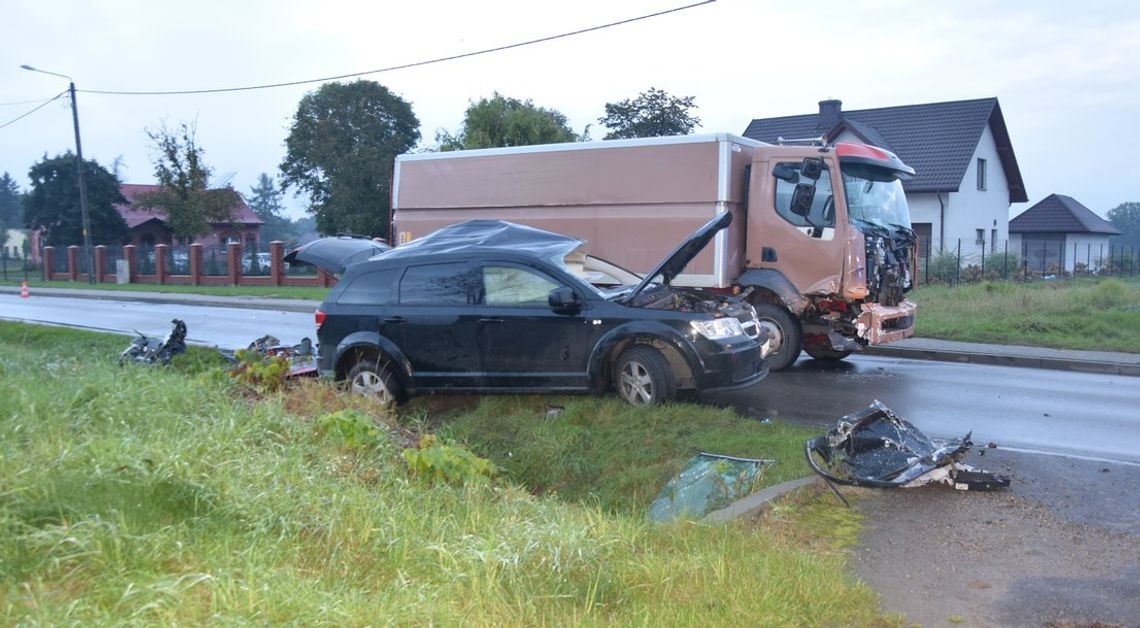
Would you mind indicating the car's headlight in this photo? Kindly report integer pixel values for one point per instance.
(718, 328)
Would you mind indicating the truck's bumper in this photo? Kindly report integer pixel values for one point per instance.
(882, 324)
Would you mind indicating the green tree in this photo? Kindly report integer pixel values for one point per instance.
(52, 205)
(1126, 218)
(340, 150)
(265, 201)
(11, 214)
(184, 179)
(501, 121)
(654, 113)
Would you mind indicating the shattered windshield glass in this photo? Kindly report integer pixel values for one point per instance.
(875, 196)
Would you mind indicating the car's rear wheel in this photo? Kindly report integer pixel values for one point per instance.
(642, 376)
(375, 378)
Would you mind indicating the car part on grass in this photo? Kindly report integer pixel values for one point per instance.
(143, 350)
(301, 357)
(877, 448)
(708, 482)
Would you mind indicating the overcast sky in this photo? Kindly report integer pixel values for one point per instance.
(1067, 74)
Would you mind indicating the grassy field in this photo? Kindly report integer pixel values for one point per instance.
(1094, 314)
(144, 495)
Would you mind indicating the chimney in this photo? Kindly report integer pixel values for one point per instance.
(830, 114)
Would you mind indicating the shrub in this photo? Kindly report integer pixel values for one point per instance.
(941, 268)
(261, 373)
(447, 463)
(350, 428)
(1004, 264)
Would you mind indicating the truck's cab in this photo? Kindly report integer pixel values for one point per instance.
(830, 250)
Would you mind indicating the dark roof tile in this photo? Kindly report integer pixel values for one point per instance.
(1058, 213)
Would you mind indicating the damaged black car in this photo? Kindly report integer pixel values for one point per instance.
(491, 306)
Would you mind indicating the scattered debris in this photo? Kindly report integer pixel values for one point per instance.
(876, 448)
(708, 482)
(552, 411)
(301, 358)
(143, 350)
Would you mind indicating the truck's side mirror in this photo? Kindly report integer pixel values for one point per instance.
(562, 300)
(786, 172)
(802, 199)
(812, 167)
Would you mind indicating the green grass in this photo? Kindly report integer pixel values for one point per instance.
(148, 495)
(1092, 314)
(313, 293)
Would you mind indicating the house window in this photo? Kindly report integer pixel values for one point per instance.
(981, 239)
(981, 174)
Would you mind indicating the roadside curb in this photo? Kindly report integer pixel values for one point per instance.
(174, 298)
(1059, 362)
(754, 502)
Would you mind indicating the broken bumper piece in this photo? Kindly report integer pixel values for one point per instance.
(877, 448)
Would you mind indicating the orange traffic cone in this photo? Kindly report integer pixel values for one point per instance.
(23, 289)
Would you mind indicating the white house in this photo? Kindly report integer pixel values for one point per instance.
(1058, 233)
(966, 175)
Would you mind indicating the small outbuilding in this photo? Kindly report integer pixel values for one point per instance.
(1058, 233)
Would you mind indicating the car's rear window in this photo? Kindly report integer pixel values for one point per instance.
(436, 284)
(377, 287)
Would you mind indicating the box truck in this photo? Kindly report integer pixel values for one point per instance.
(820, 241)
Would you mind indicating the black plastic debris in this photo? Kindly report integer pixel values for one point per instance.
(143, 350)
(301, 358)
(877, 448)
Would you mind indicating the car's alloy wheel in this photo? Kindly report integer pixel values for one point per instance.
(783, 332)
(376, 380)
(643, 377)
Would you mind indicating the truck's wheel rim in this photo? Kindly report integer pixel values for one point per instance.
(636, 384)
(775, 335)
(370, 384)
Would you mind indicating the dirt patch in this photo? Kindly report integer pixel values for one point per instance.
(1057, 548)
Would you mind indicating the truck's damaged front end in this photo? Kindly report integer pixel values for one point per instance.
(881, 249)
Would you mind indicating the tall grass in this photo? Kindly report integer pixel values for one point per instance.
(140, 495)
(1092, 314)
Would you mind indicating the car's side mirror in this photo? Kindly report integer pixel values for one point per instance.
(563, 300)
(802, 199)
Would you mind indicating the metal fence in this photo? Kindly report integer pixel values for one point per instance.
(1027, 260)
(19, 267)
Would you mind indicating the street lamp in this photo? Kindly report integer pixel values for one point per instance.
(88, 253)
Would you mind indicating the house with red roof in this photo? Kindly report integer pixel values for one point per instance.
(148, 226)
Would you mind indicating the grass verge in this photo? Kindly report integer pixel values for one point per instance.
(313, 293)
(149, 495)
(1091, 314)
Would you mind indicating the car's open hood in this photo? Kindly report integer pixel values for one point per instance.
(335, 254)
(676, 261)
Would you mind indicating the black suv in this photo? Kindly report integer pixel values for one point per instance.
(491, 306)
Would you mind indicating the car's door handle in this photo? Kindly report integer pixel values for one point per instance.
(490, 320)
(394, 319)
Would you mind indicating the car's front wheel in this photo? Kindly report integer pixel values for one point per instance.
(642, 376)
(374, 378)
(827, 354)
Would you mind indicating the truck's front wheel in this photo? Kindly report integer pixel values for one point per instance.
(783, 332)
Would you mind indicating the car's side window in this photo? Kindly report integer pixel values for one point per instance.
(822, 212)
(436, 284)
(372, 288)
(511, 285)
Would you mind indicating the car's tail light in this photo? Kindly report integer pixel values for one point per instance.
(320, 316)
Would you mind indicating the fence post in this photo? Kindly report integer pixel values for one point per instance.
(958, 266)
(1005, 261)
(196, 264)
(49, 261)
(276, 263)
(160, 262)
(100, 262)
(73, 263)
(983, 258)
(233, 261)
(129, 255)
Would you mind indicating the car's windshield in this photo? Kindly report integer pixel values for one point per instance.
(875, 196)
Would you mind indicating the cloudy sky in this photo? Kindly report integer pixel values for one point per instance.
(1067, 74)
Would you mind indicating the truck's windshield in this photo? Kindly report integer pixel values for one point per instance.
(875, 196)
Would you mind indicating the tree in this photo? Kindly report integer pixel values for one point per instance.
(653, 113)
(11, 215)
(52, 205)
(1126, 218)
(265, 201)
(184, 179)
(340, 150)
(501, 121)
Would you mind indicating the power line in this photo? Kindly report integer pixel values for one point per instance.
(403, 66)
(19, 102)
(41, 106)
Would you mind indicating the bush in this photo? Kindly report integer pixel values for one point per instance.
(1004, 264)
(261, 373)
(350, 428)
(942, 268)
(447, 463)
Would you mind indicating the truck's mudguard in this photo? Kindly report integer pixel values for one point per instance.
(776, 282)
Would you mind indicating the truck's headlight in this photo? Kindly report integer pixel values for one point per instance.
(718, 328)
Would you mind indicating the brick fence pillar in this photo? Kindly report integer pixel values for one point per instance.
(160, 261)
(100, 262)
(233, 259)
(129, 255)
(49, 261)
(73, 262)
(196, 264)
(276, 263)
